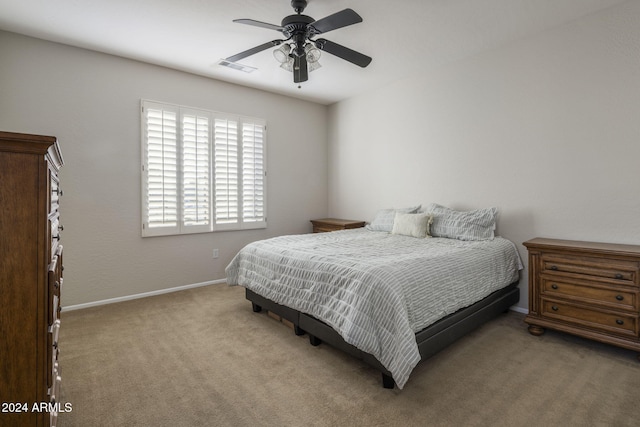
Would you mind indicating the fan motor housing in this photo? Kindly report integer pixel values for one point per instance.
(296, 24)
(297, 21)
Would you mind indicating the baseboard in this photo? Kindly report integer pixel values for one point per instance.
(519, 309)
(182, 288)
(142, 295)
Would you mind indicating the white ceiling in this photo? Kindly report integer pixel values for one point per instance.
(404, 38)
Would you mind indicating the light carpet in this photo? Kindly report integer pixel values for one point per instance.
(201, 357)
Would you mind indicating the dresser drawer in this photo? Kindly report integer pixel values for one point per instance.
(55, 192)
(55, 229)
(604, 320)
(611, 271)
(622, 298)
(52, 352)
(54, 391)
(53, 418)
(54, 284)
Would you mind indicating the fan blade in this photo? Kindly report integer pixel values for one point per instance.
(343, 52)
(258, 24)
(249, 52)
(300, 70)
(337, 20)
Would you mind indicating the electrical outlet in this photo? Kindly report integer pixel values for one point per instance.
(215, 253)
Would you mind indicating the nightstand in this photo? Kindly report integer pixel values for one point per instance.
(587, 289)
(333, 224)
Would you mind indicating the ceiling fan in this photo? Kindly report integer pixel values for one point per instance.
(300, 51)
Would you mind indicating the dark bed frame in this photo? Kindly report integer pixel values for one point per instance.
(430, 340)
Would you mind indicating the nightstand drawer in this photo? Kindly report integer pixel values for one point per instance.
(621, 298)
(612, 271)
(325, 228)
(334, 224)
(609, 321)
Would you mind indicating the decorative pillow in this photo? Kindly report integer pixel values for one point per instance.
(414, 225)
(479, 224)
(384, 218)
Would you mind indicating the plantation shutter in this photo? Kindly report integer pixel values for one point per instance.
(226, 156)
(253, 174)
(160, 197)
(196, 183)
(202, 171)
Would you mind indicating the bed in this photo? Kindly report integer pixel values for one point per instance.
(389, 299)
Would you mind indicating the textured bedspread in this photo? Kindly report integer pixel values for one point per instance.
(374, 288)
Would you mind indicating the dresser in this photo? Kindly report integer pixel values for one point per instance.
(332, 224)
(585, 288)
(30, 279)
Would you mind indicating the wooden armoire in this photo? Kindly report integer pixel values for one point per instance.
(30, 279)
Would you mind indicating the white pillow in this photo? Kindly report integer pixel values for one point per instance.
(479, 224)
(414, 225)
(384, 218)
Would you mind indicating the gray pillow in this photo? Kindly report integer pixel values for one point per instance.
(478, 224)
(384, 218)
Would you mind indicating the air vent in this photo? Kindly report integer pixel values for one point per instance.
(237, 66)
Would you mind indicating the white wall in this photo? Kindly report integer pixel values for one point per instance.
(90, 101)
(547, 129)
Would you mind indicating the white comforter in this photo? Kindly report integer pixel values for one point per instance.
(376, 289)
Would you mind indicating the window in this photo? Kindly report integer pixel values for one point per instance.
(202, 171)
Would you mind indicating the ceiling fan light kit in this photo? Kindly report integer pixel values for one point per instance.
(282, 53)
(300, 51)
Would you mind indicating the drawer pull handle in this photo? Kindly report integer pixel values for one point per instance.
(618, 276)
(620, 322)
(56, 284)
(554, 286)
(554, 307)
(619, 297)
(554, 267)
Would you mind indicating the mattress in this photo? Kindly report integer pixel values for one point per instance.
(374, 288)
